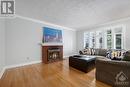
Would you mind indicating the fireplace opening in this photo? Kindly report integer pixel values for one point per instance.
(53, 54)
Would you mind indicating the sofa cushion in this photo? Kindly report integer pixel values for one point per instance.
(102, 52)
(127, 56)
(96, 51)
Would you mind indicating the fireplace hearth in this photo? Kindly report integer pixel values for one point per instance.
(52, 53)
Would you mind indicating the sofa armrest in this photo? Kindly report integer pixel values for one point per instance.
(113, 63)
(108, 70)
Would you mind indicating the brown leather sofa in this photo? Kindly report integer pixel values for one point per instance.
(112, 72)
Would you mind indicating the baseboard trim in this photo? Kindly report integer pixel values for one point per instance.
(65, 57)
(17, 65)
(2, 72)
(22, 64)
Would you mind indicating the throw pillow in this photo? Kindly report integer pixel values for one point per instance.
(89, 51)
(81, 52)
(109, 54)
(85, 51)
(92, 51)
(114, 54)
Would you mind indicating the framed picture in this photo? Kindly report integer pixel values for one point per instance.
(52, 35)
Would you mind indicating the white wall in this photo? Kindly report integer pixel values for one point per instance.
(2, 43)
(69, 41)
(23, 38)
(80, 40)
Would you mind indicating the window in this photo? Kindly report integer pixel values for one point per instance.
(118, 38)
(118, 41)
(110, 38)
(86, 39)
(99, 39)
(93, 40)
(115, 38)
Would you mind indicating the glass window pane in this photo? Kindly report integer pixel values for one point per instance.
(86, 39)
(108, 31)
(109, 41)
(93, 40)
(118, 41)
(99, 39)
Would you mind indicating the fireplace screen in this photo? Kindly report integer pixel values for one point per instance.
(53, 54)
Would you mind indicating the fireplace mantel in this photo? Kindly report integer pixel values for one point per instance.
(52, 53)
(51, 44)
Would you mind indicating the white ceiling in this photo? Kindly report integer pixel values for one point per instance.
(75, 14)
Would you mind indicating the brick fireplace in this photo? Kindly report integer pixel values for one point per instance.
(52, 53)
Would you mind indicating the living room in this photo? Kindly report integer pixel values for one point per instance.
(84, 25)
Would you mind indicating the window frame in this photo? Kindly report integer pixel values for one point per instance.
(113, 35)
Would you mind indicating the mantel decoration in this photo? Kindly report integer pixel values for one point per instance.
(51, 35)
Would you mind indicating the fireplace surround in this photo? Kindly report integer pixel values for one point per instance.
(52, 53)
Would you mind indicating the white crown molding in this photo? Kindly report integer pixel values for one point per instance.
(116, 21)
(107, 23)
(44, 22)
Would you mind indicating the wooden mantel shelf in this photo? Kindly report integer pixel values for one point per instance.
(51, 44)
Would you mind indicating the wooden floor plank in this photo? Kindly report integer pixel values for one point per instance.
(57, 74)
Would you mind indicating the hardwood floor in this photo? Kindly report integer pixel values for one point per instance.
(57, 74)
